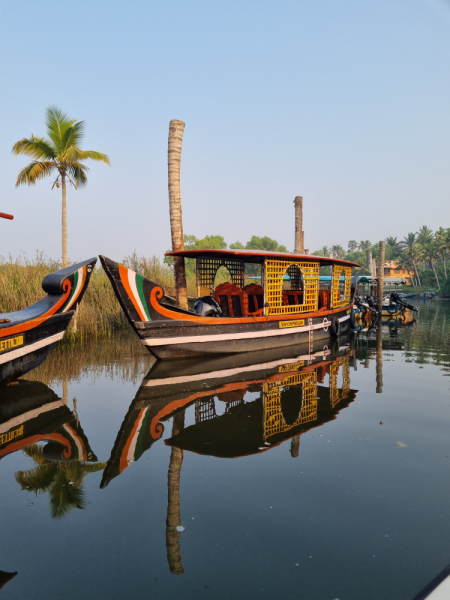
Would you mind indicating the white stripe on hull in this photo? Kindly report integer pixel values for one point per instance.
(4, 358)
(31, 414)
(231, 372)
(223, 337)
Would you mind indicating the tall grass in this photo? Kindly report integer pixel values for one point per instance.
(99, 315)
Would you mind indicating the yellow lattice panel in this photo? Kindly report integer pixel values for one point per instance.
(335, 395)
(274, 421)
(274, 272)
(207, 269)
(335, 286)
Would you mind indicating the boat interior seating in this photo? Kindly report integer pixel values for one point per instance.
(292, 297)
(255, 294)
(324, 300)
(232, 300)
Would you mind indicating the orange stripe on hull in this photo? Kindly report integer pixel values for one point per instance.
(123, 459)
(123, 272)
(55, 437)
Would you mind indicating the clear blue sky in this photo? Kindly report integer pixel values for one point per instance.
(344, 102)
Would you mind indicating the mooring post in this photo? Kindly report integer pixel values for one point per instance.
(173, 503)
(176, 130)
(380, 278)
(299, 233)
(379, 362)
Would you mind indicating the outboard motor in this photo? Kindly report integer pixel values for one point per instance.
(396, 298)
(207, 306)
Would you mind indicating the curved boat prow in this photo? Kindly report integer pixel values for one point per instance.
(27, 335)
(132, 290)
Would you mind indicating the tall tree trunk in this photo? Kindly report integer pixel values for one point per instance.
(445, 266)
(64, 223)
(417, 273)
(411, 278)
(173, 503)
(369, 260)
(380, 279)
(379, 363)
(435, 274)
(176, 129)
(299, 235)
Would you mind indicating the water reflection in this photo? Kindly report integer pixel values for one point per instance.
(31, 414)
(243, 405)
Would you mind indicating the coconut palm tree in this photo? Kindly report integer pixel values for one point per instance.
(337, 251)
(425, 235)
(395, 246)
(411, 249)
(62, 480)
(366, 246)
(405, 262)
(430, 253)
(60, 154)
(325, 251)
(442, 237)
(352, 245)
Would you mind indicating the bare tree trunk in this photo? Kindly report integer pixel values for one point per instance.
(435, 274)
(380, 279)
(417, 273)
(299, 234)
(445, 266)
(411, 278)
(173, 503)
(176, 129)
(66, 391)
(64, 223)
(369, 260)
(295, 446)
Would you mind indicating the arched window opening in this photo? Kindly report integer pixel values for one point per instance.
(342, 283)
(294, 295)
(223, 275)
(291, 401)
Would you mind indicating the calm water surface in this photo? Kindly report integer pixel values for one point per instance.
(316, 473)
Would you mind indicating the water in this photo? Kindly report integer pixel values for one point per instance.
(231, 478)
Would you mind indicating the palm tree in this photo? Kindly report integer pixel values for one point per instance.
(62, 480)
(409, 243)
(424, 235)
(366, 246)
(395, 246)
(442, 237)
(337, 251)
(430, 253)
(405, 262)
(352, 245)
(325, 251)
(59, 154)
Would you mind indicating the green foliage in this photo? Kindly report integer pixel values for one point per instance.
(264, 243)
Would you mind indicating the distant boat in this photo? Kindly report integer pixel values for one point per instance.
(428, 294)
(413, 295)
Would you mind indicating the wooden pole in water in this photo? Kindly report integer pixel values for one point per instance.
(299, 233)
(379, 363)
(380, 279)
(173, 502)
(176, 130)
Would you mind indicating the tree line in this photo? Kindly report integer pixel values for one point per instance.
(423, 254)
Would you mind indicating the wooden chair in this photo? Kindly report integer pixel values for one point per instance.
(232, 300)
(324, 300)
(255, 299)
(292, 297)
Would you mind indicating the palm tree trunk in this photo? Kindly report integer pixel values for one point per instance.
(411, 278)
(435, 274)
(176, 129)
(370, 261)
(445, 266)
(173, 504)
(64, 223)
(417, 273)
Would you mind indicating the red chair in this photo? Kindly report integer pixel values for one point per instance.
(232, 300)
(324, 300)
(292, 297)
(255, 299)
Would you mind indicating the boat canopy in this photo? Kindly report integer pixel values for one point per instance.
(259, 256)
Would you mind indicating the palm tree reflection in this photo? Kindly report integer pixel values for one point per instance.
(63, 481)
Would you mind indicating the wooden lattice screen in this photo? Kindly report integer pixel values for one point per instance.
(335, 395)
(273, 289)
(207, 269)
(336, 299)
(274, 421)
(295, 277)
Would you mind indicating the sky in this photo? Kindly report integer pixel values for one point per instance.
(343, 102)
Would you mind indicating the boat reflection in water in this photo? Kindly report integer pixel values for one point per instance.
(243, 405)
(31, 414)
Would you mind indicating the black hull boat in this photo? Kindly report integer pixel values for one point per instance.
(290, 402)
(28, 335)
(232, 317)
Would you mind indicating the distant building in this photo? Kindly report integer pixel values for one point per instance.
(392, 270)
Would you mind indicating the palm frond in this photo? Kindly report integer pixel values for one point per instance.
(37, 148)
(57, 124)
(77, 172)
(73, 135)
(39, 479)
(36, 170)
(93, 155)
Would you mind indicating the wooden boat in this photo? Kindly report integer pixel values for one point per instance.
(250, 317)
(30, 413)
(27, 336)
(290, 401)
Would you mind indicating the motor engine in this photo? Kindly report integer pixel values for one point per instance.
(207, 306)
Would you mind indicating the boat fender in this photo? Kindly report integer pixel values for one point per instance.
(335, 327)
(352, 320)
(392, 308)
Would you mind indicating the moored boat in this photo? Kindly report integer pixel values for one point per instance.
(234, 317)
(27, 336)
